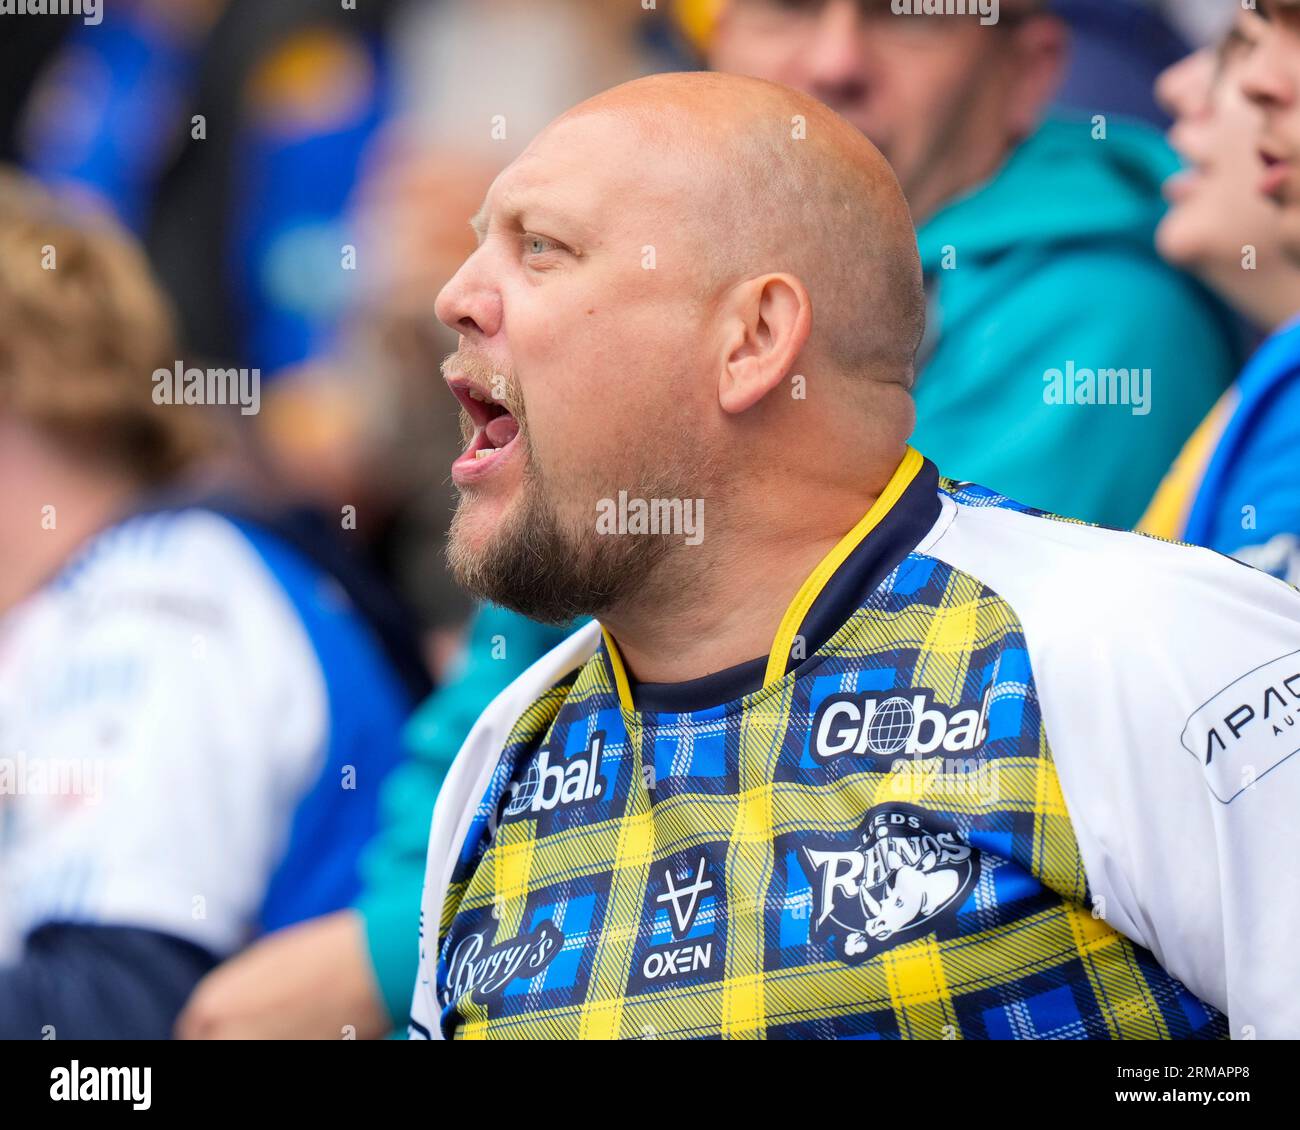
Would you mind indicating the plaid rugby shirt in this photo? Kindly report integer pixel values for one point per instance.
(886, 828)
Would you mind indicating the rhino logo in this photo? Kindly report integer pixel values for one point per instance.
(903, 873)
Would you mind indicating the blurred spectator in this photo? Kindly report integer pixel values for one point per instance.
(1118, 47)
(1036, 239)
(1271, 79)
(1233, 487)
(356, 967)
(231, 135)
(198, 702)
(1203, 23)
(228, 133)
(25, 45)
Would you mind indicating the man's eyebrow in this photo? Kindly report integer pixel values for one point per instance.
(511, 210)
(479, 222)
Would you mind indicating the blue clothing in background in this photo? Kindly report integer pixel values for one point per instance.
(1047, 272)
(1248, 504)
(1117, 50)
(119, 106)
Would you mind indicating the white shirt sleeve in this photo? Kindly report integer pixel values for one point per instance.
(1169, 682)
(168, 713)
(458, 800)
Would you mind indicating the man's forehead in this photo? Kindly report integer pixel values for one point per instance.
(588, 165)
(520, 195)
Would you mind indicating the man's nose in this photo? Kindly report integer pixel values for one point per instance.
(470, 304)
(835, 57)
(1183, 89)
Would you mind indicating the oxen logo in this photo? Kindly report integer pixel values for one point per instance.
(903, 873)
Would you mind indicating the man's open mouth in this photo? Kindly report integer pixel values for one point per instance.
(1277, 170)
(495, 430)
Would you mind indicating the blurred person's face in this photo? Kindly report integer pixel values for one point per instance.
(575, 336)
(1215, 205)
(944, 98)
(1270, 77)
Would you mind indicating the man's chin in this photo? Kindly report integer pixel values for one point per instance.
(479, 520)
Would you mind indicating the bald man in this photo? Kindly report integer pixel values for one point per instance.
(851, 749)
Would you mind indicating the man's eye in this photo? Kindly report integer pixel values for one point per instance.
(538, 244)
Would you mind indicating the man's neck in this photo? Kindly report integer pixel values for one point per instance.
(719, 604)
(1268, 298)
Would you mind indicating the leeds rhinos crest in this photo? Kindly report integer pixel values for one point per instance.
(902, 873)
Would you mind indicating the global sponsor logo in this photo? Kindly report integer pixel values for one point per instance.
(903, 873)
(486, 969)
(861, 724)
(1248, 729)
(547, 786)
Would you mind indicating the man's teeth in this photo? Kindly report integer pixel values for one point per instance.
(484, 451)
(474, 394)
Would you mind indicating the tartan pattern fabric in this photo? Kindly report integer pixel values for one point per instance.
(735, 873)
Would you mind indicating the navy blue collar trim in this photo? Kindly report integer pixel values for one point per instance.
(722, 686)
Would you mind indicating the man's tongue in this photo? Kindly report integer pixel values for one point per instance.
(500, 430)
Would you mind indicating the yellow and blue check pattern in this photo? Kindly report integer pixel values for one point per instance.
(710, 873)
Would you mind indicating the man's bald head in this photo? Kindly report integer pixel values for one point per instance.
(656, 275)
(776, 181)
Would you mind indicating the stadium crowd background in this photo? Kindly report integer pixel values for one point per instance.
(300, 176)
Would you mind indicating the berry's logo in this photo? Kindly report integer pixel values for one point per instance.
(476, 966)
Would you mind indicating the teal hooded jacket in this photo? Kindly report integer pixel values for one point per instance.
(1040, 281)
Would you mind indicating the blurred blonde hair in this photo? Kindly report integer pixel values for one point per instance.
(83, 327)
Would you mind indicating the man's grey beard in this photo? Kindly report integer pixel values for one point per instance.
(549, 573)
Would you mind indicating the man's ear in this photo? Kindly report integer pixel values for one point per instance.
(1042, 45)
(768, 321)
